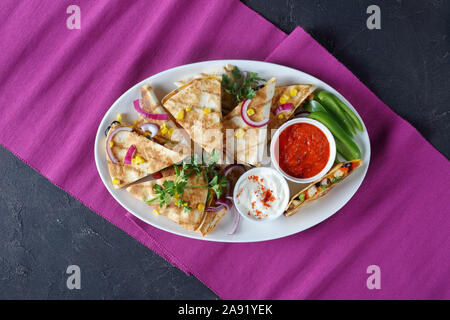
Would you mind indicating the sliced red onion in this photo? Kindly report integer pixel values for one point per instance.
(151, 127)
(283, 108)
(236, 220)
(302, 114)
(231, 167)
(154, 116)
(225, 202)
(108, 141)
(229, 192)
(130, 154)
(215, 209)
(247, 119)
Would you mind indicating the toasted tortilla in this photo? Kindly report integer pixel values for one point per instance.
(196, 106)
(172, 136)
(210, 221)
(189, 220)
(228, 103)
(250, 147)
(314, 190)
(155, 155)
(303, 92)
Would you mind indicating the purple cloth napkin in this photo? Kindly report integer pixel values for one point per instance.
(56, 84)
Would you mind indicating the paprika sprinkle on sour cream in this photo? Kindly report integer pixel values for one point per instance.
(304, 150)
(261, 194)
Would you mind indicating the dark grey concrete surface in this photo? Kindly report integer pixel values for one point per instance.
(43, 229)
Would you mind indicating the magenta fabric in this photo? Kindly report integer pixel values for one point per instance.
(56, 84)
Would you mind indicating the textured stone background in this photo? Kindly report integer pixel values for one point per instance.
(43, 230)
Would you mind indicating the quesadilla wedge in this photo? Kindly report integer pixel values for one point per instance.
(228, 101)
(193, 198)
(196, 106)
(321, 187)
(168, 134)
(249, 140)
(132, 156)
(286, 100)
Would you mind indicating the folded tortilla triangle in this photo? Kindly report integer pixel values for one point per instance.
(188, 219)
(248, 142)
(196, 106)
(296, 94)
(156, 157)
(321, 187)
(176, 139)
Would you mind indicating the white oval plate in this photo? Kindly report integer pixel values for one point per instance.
(248, 231)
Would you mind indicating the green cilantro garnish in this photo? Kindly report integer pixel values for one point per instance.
(172, 190)
(241, 87)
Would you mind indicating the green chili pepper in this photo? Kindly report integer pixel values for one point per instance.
(350, 149)
(314, 106)
(343, 150)
(327, 100)
(352, 116)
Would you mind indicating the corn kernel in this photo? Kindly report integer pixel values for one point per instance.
(293, 92)
(119, 117)
(156, 211)
(207, 111)
(111, 144)
(240, 133)
(250, 112)
(136, 122)
(170, 131)
(163, 129)
(281, 116)
(116, 182)
(138, 160)
(188, 109)
(180, 115)
(201, 207)
(284, 98)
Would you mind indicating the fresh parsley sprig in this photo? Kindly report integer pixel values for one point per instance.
(241, 86)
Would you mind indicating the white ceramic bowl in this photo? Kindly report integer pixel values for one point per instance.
(260, 172)
(274, 150)
(249, 231)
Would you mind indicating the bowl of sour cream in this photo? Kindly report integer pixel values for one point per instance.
(261, 194)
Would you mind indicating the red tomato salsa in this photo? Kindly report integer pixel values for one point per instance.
(304, 150)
